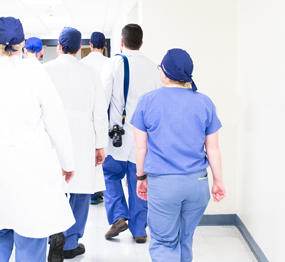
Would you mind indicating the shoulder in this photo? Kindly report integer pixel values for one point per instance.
(145, 98)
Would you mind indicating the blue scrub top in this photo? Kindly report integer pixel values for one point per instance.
(177, 121)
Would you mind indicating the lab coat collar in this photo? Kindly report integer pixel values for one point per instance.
(95, 54)
(133, 53)
(67, 57)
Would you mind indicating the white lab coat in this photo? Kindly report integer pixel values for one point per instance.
(32, 123)
(144, 77)
(96, 60)
(81, 90)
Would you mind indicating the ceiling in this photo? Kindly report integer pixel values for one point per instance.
(46, 18)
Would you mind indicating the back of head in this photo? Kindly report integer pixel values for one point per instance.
(34, 45)
(97, 39)
(70, 39)
(11, 35)
(132, 36)
(177, 65)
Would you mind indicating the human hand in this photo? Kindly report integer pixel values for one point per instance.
(142, 189)
(99, 156)
(218, 191)
(68, 175)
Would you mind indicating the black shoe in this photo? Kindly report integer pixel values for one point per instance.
(55, 253)
(74, 252)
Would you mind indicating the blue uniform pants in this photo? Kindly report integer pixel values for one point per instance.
(176, 204)
(80, 207)
(114, 198)
(26, 249)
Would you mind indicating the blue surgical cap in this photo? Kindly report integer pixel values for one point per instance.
(98, 39)
(11, 32)
(69, 38)
(34, 44)
(177, 65)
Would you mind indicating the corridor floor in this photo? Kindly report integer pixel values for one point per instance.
(211, 244)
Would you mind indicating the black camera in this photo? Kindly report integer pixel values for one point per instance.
(116, 134)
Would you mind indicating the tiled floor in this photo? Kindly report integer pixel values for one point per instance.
(211, 244)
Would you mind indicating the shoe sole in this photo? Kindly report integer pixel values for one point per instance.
(73, 256)
(125, 227)
(140, 241)
(56, 248)
(70, 256)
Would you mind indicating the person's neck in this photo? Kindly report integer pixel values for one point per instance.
(168, 82)
(62, 53)
(126, 49)
(31, 56)
(97, 50)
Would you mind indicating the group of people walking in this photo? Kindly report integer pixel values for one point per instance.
(54, 120)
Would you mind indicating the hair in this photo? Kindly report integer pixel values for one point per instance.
(132, 36)
(31, 51)
(97, 46)
(72, 51)
(9, 52)
(185, 84)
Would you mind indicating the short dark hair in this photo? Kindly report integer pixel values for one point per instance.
(98, 46)
(132, 36)
(71, 51)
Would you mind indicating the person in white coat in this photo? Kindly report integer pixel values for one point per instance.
(34, 132)
(96, 60)
(83, 97)
(144, 77)
(34, 50)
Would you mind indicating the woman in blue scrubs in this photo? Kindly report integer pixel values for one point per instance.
(176, 133)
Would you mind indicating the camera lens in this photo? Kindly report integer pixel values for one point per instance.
(117, 140)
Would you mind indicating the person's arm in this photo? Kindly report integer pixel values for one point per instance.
(215, 161)
(141, 149)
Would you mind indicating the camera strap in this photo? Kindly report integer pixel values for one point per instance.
(126, 84)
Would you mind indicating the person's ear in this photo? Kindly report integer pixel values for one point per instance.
(91, 45)
(79, 49)
(25, 51)
(122, 42)
(59, 47)
(141, 44)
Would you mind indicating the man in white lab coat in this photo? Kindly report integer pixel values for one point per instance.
(83, 97)
(144, 77)
(96, 60)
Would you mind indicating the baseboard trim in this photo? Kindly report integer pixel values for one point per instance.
(234, 220)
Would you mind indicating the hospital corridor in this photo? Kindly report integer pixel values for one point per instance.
(175, 109)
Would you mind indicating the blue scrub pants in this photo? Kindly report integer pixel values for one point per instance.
(176, 204)
(114, 198)
(80, 207)
(27, 249)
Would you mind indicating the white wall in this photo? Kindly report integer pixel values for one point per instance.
(127, 14)
(207, 30)
(260, 81)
